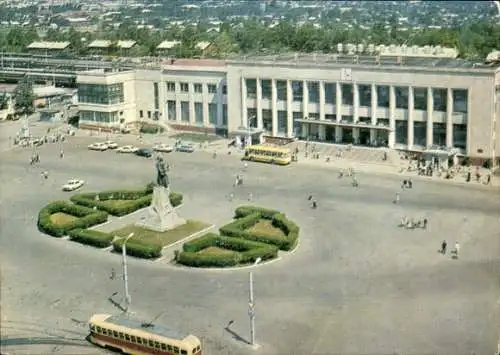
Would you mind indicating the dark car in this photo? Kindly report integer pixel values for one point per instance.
(144, 152)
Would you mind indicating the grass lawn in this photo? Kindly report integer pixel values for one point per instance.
(197, 138)
(265, 226)
(162, 238)
(116, 203)
(61, 218)
(216, 250)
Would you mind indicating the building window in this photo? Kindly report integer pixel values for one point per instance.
(420, 99)
(460, 99)
(212, 88)
(198, 88)
(313, 91)
(101, 94)
(185, 111)
(297, 91)
(439, 134)
(224, 89)
(98, 117)
(224, 115)
(460, 136)
(251, 85)
(149, 114)
(267, 120)
(156, 96)
(282, 122)
(383, 96)
(171, 86)
(297, 125)
(440, 99)
(347, 94)
(141, 114)
(266, 88)
(172, 110)
(420, 133)
(198, 112)
(184, 87)
(365, 95)
(330, 93)
(281, 90)
(401, 132)
(252, 117)
(402, 98)
(212, 114)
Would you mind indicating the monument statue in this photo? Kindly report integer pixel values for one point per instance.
(162, 216)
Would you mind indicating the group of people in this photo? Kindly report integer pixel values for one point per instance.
(454, 252)
(351, 174)
(413, 223)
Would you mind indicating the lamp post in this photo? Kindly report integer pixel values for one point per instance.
(251, 305)
(128, 299)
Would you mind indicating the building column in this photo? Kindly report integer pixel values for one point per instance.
(274, 108)
(192, 118)
(411, 104)
(430, 121)
(449, 119)
(355, 103)
(178, 111)
(322, 101)
(258, 104)
(373, 131)
(305, 99)
(392, 120)
(338, 134)
(220, 108)
(322, 132)
(338, 101)
(289, 109)
(244, 116)
(305, 130)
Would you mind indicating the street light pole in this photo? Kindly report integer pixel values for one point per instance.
(128, 299)
(251, 306)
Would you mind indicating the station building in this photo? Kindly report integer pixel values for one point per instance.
(408, 104)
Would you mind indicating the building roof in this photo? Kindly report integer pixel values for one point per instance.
(48, 45)
(48, 91)
(168, 44)
(195, 62)
(104, 43)
(360, 60)
(202, 45)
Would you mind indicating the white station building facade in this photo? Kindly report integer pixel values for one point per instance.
(402, 103)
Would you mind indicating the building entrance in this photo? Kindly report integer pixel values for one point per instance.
(347, 137)
(364, 136)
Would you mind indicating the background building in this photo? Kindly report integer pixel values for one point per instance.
(402, 103)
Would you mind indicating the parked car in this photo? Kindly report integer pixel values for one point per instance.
(111, 144)
(185, 147)
(127, 149)
(98, 146)
(144, 152)
(73, 185)
(164, 148)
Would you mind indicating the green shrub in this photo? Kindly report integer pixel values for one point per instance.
(205, 241)
(150, 128)
(244, 211)
(138, 249)
(86, 217)
(91, 237)
(234, 228)
(135, 201)
(209, 260)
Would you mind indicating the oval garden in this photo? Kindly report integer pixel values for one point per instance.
(92, 219)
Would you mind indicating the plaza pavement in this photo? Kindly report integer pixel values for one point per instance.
(358, 284)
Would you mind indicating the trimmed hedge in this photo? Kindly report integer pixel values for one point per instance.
(151, 128)
(138, 248)
(86, 217)
(244, 211)
(91, 237)
(138, 199)
(245, 251)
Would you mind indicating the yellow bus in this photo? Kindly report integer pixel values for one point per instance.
(268, 154)
(120, 333)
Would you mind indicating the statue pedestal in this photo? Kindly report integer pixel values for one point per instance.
(162, 215)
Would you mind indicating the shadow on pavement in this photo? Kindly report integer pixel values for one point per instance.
(236, 336)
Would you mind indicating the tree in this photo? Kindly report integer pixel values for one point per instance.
(24, 96)
(4, 101)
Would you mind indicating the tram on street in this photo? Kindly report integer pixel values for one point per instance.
(122, 334)
(268, 154)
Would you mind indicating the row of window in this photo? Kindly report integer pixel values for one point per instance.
(420, 94)
(198, 112)
(197, 88)
(98, 117)
(141, 341)
(101, 94)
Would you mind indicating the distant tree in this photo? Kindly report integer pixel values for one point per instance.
(24, 96)
(4, 100)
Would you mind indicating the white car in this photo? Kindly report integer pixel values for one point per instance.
(127, 149)
(111, 144)
(164, 148)
(98, 146)
(73, 185)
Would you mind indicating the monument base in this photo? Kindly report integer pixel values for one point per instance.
(162, 216)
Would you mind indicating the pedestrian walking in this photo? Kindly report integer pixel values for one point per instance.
(310, 198)
(314, 205)
(113, 274)
(425, 222)
(457, 249)
(231, 196)
(250, 197)
(397, 198)
(410, 184)
(61, 154)
(443, 247)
